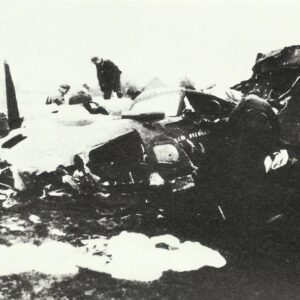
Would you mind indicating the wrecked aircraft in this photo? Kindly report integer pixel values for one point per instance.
(273, 73)
(153, 144)
(169, 139)
(276, 78)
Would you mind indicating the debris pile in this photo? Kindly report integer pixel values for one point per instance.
(273, 73)
(162, 140)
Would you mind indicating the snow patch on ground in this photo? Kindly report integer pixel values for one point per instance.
(130, 256)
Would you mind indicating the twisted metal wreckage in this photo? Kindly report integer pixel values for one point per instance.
(141, 149)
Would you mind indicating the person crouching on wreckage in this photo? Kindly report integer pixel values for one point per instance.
(108, 76)
(84, 98)
(59, 99)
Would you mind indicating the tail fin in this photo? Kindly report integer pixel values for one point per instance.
(14, 119)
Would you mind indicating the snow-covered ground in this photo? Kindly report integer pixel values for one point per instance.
(129, 255)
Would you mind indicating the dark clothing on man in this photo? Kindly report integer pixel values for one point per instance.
(109, 78)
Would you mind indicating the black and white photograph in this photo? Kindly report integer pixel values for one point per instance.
(150, 149)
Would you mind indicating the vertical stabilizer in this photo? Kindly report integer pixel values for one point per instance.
(14, 119)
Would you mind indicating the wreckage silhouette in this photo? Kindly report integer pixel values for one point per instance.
(142, 151)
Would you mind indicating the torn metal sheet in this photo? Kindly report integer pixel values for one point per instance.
(273, 73)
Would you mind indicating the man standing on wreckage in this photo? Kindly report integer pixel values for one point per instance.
(109, 76)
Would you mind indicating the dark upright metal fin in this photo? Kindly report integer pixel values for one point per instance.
(14, 119)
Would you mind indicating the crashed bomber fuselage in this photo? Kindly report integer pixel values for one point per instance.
(168, 148)
(43, 145)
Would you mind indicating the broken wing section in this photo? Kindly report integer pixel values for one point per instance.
(43, 145)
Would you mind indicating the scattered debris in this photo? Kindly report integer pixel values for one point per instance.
(221, 212)
(170, 240)
(277, 160)
(108, 223)
(156, 180)
(6, 191)
(273, 73)
(55, 231)
(9, 202)
(274, 218)
(89, 292)
(35, 219)
(13, 223)
(58, 193)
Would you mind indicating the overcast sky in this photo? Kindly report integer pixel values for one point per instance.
(51, 42)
